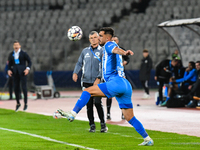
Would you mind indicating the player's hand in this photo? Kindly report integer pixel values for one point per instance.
(190, 87)
(10, 73)
(26, 71)
(125, 63)
(75, 77)
(187, 69)
(129, 52)
(172, 79)
(155, 78)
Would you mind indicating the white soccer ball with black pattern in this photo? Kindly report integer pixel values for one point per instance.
(57, 115)
(75, 33)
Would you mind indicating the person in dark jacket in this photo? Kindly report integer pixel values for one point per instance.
(179, 70)
(194, 94)
(145, 72)
(164, 71)
(90, 62)
(18, 69)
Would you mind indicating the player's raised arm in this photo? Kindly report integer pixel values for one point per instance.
(120, 51)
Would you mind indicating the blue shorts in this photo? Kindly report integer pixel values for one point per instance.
(120, 88)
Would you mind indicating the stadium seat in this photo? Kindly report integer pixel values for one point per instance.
(36, 20)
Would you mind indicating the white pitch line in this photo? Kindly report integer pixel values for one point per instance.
(46, 138)
(192, 143)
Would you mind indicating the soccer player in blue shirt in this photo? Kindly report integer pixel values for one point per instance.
(115, 86)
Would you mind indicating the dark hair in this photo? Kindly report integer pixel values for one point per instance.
(16, 41)
(180, 63)
(145, 51)
(192, 64)
(198, 62)
(175, 59)
(108, 30)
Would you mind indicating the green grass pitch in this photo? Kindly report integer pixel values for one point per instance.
(27, 131)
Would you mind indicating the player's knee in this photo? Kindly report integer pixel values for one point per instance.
(128, 114)
(87, 90)
(128, 117)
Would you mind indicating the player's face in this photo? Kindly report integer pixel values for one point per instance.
(197, 66)
(175, 63)
(102, 38)
(190, 66)
(16, 46)
(176, 52)
(115, 39)
(94, 39)
(145, 54)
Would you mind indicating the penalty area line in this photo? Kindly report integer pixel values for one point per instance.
(46, 138)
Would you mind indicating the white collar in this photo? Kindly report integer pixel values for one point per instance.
(17, 51)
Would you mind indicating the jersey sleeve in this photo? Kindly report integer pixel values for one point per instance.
(110, 46)
(187, 77)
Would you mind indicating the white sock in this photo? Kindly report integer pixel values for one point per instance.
(147, 138)
(74, 113)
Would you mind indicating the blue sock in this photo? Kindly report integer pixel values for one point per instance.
(138, 127)
(167, 98)
(82, 101)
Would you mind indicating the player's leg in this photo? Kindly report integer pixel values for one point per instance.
(125, 103)
(174, 87)
(129, 116)
(82, 101)
(108, 105)
(160, 90)
(90, 114)
(87, 93)
(146, 89)
(24, 89)
(100, 111)
(16, 90)
(10, 87)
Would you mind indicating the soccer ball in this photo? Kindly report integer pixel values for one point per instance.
(57, 115)
(75, 33)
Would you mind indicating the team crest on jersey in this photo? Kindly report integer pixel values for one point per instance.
(87, 55)
(97, 54)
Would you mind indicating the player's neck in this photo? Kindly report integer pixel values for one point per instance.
(16, 50)
(94, 46)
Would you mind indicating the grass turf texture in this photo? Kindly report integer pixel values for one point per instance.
(117, 138)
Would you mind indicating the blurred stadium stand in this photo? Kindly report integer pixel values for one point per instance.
(41, 26)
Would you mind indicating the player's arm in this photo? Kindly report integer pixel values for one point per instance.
(10, 65)
(159, 67)
(120, 51)
(126, 60)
